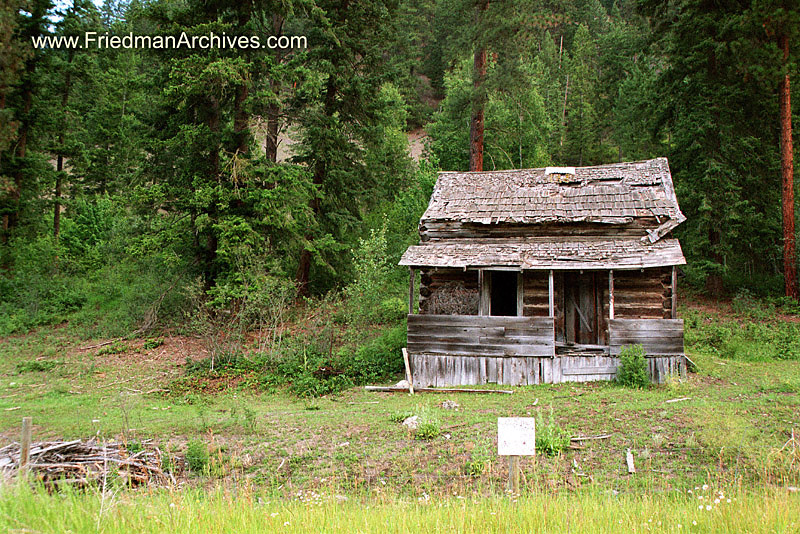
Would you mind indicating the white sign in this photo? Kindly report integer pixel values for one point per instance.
(516, 436)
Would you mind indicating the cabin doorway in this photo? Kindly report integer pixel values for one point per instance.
(503, 293)
(584, 322)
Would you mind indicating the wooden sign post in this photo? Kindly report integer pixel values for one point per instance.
(25, 445)
(516, 436)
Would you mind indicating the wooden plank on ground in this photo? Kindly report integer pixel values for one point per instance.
(394, 389)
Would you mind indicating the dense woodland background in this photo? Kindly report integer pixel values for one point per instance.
(163, 188)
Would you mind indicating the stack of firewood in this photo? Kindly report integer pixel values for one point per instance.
(88, 463)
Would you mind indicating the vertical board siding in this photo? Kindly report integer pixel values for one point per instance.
(435, 370)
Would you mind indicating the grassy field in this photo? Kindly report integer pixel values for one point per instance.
(729, 425)
(243, 511)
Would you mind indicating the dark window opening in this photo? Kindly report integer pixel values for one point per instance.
(504, 293)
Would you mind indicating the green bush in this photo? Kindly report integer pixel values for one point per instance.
(428, 426)
(378, 359)
(37, 366)
(632, 371)
(197, 456)
(551, 439)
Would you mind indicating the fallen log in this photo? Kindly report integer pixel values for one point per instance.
(394, 389)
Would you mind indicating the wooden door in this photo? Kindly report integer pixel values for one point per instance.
(582, 309)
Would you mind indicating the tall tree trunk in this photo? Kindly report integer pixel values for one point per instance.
(787, 175)
(12, 220)
(476, 124)
(273, 109)
(304, 265)
(207, 255)
(60, 158)
(271, 141)
(241, 119)
(714, 285)
(57, 202)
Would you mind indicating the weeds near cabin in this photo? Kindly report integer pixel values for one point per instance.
(34, 366)
(479, 463)
(551, 439)
(428, 425)
(151, 344)
(117, 347)
(744, 337)
(632, 372)
(197, 456)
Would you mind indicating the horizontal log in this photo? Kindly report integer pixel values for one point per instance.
(481, 340)
(596, 370)
(646, 324)
(437, 390)
(499, 351)
(653, 350)
(477, 320)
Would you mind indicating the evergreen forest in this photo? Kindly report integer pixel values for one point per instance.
(146, 188)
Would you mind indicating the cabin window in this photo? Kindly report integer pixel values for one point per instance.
(503, 291)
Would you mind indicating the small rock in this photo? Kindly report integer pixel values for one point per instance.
(447, 436)
(450, 405)
(344, 444)
(411, 422)
(402, 384)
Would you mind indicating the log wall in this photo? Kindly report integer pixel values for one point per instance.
(438, 230)
(643, 294)
(535, 294)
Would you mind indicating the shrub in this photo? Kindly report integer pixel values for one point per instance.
(37, 366)
(197, 456)
(399, 417)
(428, 429)
(632, 370)
(365, 293)
(378, 359)
(551, 439)
(428, 426)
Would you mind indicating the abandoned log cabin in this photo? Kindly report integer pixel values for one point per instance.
(543, 275)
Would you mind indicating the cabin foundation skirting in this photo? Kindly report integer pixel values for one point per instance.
(438, 370)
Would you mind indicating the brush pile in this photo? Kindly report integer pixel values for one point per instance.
(88, 463)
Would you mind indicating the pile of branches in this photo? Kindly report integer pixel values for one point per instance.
(452, 298)
(87, 463)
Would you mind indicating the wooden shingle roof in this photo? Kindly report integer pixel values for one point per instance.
(612, 194)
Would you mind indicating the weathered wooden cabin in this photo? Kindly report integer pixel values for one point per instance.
(542, 275)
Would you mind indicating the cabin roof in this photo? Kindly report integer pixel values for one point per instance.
(546, 253)
(611, 194)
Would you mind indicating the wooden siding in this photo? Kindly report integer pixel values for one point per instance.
(440, 370)
(656, 336)
(465, 335)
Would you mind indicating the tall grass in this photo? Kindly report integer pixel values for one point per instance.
(243, 511)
